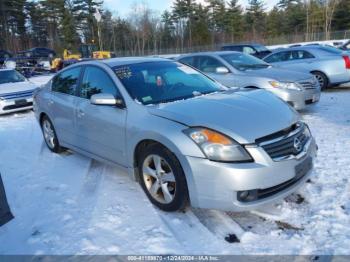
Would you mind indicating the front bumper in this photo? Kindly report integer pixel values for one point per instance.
(298, 99)
(15, 105)
(218, 185)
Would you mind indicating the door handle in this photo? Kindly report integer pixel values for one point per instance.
(81, 113)
(51, 102)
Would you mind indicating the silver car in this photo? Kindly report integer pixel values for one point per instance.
(16, 92)
(235, 69)
(184, 137)
(330, 65)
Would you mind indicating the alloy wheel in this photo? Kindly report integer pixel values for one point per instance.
(49, 134)
(159, 179)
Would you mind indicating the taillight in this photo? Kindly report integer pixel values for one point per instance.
(347, 62)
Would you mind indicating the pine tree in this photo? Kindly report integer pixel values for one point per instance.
(234, 20)
(255, 17)
(84, 11)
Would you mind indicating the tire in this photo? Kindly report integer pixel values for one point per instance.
(322, 80)
(166, 185)
(50, 136)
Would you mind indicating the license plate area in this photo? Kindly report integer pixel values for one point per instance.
(21, 102)
(303, 168)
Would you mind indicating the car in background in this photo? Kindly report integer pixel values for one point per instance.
(183, 136)
(330, 65)
(16, 92)
(4, 56)
(256, 50)
(234, 69)
(37, 53)
(345, 46)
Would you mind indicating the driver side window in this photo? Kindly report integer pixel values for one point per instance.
(209, 64)
(96, 81)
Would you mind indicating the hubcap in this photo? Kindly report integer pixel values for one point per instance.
(49, 134)
(159, 179)
(320, 80)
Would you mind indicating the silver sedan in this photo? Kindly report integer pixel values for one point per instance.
(330, 65)
(235, 69)
(184, 137)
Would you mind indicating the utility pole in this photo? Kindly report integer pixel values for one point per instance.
(98, 17)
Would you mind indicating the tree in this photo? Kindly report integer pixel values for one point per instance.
(234, 20)
(255, 17)
(84, 11)
(341, 18)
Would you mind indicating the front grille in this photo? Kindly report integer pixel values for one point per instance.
(12, 107)
(280, 147)
(17, 95)
(310, 84)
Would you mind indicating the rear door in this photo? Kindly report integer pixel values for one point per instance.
(63, 102)
(100, 129)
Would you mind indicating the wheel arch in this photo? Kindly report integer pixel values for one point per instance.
(174, 149)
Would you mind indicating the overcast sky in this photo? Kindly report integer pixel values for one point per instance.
(122, 7)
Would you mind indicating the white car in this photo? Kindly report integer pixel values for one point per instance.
(16, 92)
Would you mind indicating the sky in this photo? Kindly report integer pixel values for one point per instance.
(122, 7)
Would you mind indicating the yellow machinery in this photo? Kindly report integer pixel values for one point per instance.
(87, 51)
(68, 55)
(102, 55)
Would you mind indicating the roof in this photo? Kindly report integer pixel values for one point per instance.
(212, 53)
(131, 60)
(251, 44)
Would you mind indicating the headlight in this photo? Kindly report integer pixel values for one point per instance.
(286, 85)
(218, 147)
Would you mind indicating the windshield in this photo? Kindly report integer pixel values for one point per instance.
(10, 76)
(161, 82)
(243, 62)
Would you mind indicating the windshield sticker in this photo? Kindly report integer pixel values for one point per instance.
(188, 70)
(146, 99)
(123, 72)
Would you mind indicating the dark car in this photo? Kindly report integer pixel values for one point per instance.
(4, 55)
(256, 50)
(345, 46)
(38, 52)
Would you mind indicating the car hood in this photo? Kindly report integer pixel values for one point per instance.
(243, 115)
(16, 87)
(279, 74)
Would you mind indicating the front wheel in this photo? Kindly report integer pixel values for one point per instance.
(50, 136)
(162, 178)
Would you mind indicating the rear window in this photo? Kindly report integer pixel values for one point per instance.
(331, 50)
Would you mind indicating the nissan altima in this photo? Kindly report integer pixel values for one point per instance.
(183, 136)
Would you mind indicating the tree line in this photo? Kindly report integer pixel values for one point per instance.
(187, 26)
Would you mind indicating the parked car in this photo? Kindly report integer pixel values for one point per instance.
(37, 53)
(256, 50)
(184, 137)
(235, 69)
(345, 46)
(5, 55)
(330, 65)
(16, 92)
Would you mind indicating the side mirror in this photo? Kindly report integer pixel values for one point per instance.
(106, 100)
(222, 70)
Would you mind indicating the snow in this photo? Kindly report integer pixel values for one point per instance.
(69, 204)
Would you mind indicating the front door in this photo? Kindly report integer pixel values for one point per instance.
(101, 129)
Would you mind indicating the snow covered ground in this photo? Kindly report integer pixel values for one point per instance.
(69, 204)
